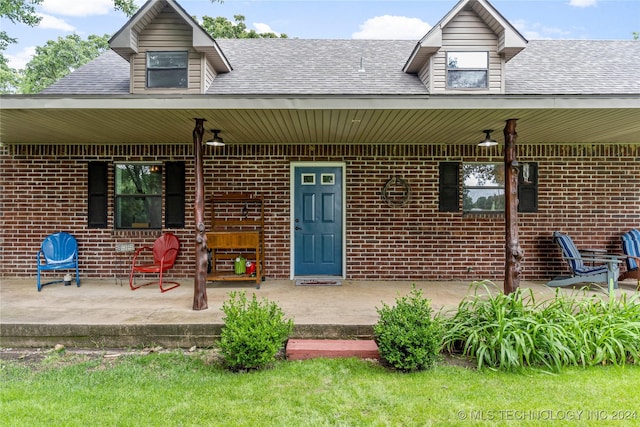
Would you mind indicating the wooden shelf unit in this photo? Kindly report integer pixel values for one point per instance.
(237, 229)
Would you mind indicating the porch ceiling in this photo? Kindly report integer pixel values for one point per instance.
(434, 120)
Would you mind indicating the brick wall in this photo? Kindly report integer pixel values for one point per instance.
(591, 192)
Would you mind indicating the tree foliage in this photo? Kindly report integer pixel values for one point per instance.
(44, 70)
(128, 7)
(9, 77)
(222, 28)
(24, 12)
(58, 58)
(16, 11)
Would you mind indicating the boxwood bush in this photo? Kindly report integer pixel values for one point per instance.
(408, 337)
(253, 332)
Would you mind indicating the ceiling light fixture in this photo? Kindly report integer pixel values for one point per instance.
(216, 141)
(487, 142)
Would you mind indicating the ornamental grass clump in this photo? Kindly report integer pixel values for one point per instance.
(253, 332)
(610, 332)
(511, 331)
(408, 337)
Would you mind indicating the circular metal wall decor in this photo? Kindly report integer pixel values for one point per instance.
(396, 192)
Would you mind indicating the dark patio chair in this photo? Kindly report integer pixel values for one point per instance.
(165, 251)
(587, 266)
(58, 251)
(631, 248)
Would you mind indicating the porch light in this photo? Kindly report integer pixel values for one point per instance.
(216, 141)
(487, 142)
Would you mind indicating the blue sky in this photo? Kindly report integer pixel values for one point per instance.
(341, 19)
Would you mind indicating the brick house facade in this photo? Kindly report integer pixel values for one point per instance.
(382, 109)
(44, 189)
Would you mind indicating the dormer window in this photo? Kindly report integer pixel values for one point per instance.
(467, 70)
(167, 69)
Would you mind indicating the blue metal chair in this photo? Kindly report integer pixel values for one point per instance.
(631, 248)
(603, 269)
(59, 251)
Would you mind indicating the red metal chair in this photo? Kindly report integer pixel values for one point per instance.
(165, 251)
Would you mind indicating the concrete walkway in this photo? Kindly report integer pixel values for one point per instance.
(108, 313)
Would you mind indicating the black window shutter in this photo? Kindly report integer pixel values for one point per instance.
(174, 195)
(449, 186)
(98, 193)
(528, 189)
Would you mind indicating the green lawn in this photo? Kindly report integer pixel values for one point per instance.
(176, 389)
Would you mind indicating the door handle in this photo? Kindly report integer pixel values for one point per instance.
(298, 228)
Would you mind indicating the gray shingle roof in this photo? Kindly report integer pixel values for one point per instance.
(297, 66)
(331, 67)
(575, 67)
(108, 74)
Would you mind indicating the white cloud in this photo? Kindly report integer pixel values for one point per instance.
(537, 31)
(264, 28)
(583, 3)
(20, 59)
(49, 22)
(392, 28)
(78, 7)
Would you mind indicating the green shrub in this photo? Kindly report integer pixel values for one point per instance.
(253, 331)
(408, 338)
(512, 331)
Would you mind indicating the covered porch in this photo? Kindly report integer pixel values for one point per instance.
(585, 174)
(105, 313)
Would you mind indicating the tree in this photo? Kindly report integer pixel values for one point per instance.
(24, 12)
(222, 28)
(17, 11)
(128, 7)
(58, 58)
(9, 77)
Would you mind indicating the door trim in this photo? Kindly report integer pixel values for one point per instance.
(292, 186)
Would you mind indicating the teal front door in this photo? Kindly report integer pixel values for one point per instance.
(317, 221)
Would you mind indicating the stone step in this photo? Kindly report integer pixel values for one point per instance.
(300, 349)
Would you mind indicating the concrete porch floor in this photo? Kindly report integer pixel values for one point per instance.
(109, 314)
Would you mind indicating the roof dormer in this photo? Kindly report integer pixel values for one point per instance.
(161, 32)
(473, 40)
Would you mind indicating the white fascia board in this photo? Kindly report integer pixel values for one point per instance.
(461, 102)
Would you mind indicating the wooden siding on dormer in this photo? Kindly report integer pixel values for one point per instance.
(425, 74)
(209, 74)
(167, 32)
(466, 32)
